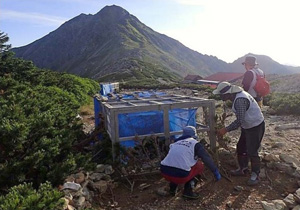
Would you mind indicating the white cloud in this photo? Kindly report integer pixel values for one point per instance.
(35, 18)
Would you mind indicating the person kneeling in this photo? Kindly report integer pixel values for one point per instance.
(182, 164)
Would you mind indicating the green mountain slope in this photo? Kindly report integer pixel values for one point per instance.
(107, 42)
(115, 44)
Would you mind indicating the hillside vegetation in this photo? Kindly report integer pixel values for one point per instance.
(38, 127)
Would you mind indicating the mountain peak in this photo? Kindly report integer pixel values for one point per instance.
(114, 42)
(113, 12)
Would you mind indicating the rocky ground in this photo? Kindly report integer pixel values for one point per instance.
(280, 177)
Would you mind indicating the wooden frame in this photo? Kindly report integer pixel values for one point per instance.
(112, 108)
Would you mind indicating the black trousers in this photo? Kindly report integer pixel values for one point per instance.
(248, 146)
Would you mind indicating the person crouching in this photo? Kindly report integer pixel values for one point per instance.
(182, 164)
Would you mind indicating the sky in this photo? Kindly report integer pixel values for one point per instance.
(227, 29)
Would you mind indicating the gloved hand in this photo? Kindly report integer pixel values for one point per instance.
(217, 175)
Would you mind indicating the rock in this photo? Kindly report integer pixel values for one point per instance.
(80, 202)
(274, 205)
(70, 178)
(72, 186)
(106, 177)
(298, 182)
(297, 196)
(284, 167)
(267, 206)
(88, 205)
(262, 173)
(290, 201)
(288, 159)
(96, 176)
(100, 186)
(79, 177)
(100, 168)
(109, 170)
(162, 191)
(238, 188)
(71, 207)
(86, 193)
(66, 203)
(296, 207)
(297, 173)
(271, 158)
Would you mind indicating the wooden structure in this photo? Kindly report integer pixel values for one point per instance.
(112, 108)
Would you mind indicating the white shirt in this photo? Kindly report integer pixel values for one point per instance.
(253, 116)
(181, 154)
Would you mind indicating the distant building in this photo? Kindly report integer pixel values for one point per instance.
(192, 78)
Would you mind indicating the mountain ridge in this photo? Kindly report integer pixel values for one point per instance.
(115, 42)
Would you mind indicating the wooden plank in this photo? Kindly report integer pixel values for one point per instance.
(212, 132)
(166, 121)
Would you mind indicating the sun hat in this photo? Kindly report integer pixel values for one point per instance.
(251, 60)
(226, 87)
(190, 131)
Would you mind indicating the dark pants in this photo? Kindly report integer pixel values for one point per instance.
(248, 145)
(170, 175)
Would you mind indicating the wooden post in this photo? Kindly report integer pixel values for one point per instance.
(212, 130)
(166, 125)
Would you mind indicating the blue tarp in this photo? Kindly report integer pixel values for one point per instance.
(141, 123)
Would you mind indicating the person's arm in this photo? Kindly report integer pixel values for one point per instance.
(241, 105)
(200, 152)
(248, 77)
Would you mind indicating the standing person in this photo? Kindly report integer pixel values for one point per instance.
(181, 164)
(249, 79)
(251, 120)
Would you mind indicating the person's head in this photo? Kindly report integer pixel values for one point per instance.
(190, 131)
(227, 91)
(250, 62)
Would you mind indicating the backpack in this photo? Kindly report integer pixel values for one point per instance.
(262, 86)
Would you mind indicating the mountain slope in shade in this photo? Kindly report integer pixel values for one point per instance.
(114, 41)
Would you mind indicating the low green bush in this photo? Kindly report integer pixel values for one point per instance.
(25, 197)
(284, 103)
(38, 126)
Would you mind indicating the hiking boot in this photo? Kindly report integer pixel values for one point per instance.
(172, 193)
(239, 172)
(254, 180)
(191, 196)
